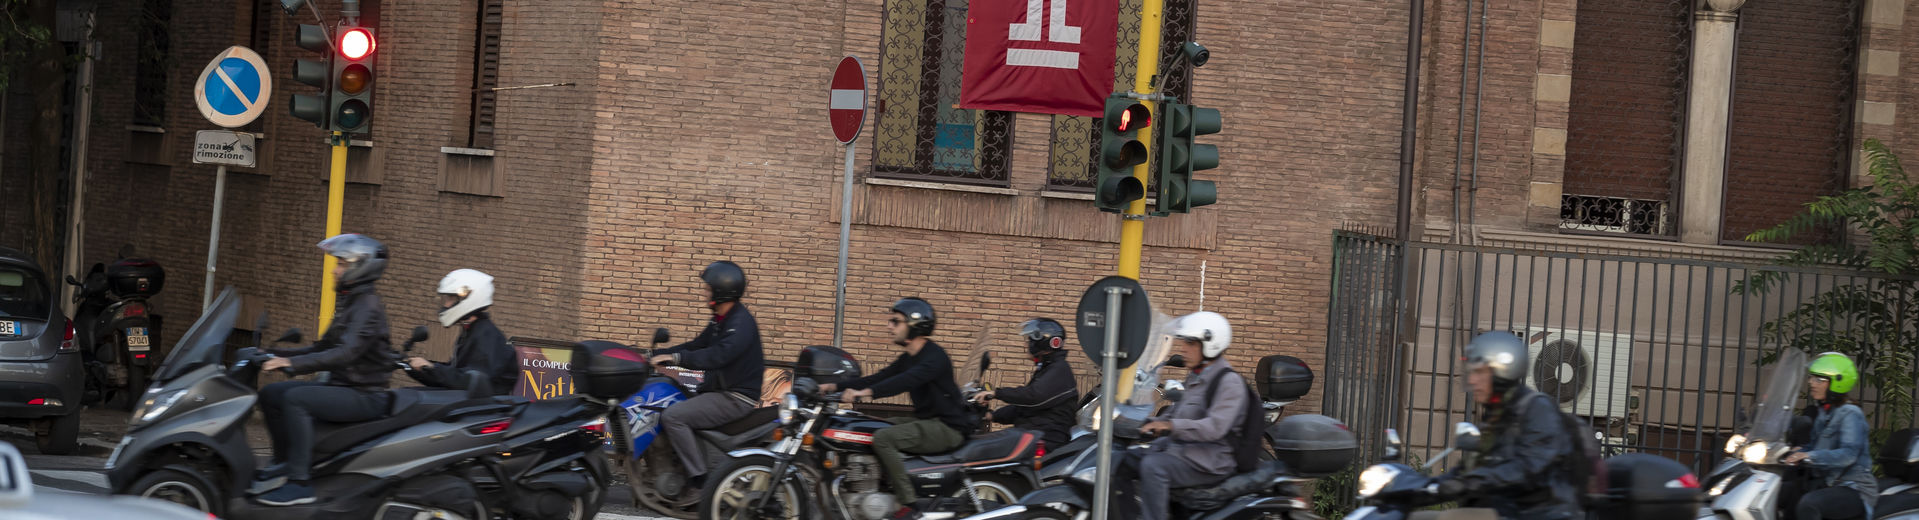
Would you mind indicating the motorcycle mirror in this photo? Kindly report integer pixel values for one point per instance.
(73, 281)
(985, 360)
(292, 336)
(660, 335)
(419, 335)
(1465, 436)
(1172, 389)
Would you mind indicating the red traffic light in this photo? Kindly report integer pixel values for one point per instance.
(356, 43)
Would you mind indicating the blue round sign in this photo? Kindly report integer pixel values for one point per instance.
(239, 74)
(234, 88)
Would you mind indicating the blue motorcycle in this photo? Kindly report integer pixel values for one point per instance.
(650, 460)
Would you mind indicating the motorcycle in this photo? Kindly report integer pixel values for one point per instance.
(1638, 486)
(1899, 489)
(440, 453)
(837, 463)
(654, 472)
(117, 329)
(1749, 484)
(1281, 380)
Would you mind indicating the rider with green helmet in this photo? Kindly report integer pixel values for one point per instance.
(1839, 458)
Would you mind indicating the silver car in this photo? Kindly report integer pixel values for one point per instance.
(42, 376)
(19, 500)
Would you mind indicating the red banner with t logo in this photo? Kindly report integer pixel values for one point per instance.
(1044, 56)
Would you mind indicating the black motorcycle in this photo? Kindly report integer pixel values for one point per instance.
(825, 450)
(117, 330)
(437, 454)
(1638, 485)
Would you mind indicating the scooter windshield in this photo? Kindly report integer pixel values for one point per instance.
(204, 343)
(975, 365)
(1773, 415)
(1151, 366)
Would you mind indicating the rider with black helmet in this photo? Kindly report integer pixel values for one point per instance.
(1521, 470)
(1046, 403)
(729, 351)
(357, 352)
(924, 372)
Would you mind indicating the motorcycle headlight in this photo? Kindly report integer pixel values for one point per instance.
(1375, 479)
(1732, 445)
(1087, 474)
(1756, 453)
(787, 407)
(157, 405)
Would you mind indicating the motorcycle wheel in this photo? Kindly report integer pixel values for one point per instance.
(180, 486)
(736, 484)
(999, 489)
(642, 479)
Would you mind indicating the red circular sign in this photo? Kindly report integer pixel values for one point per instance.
(847, 107)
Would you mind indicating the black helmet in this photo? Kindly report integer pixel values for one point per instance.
(1501, 352)
(364, 256)
(1043, 335)
(726, 280)
(919, 316)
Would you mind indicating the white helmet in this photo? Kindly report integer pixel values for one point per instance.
(1208, 328)
(475, 290)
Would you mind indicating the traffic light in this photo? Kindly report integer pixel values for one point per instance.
(1179, 157)
(1119, 151)
(313, 108)
(351, 106)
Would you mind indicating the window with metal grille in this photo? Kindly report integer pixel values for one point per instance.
(920, 133)
(150, 63)
(1791, 123)
(1626, 117)
(486, 74)
(1075, 138)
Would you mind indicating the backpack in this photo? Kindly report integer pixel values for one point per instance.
(1248, 443)
(1587, 462)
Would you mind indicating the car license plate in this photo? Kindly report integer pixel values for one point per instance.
(9, 328)
(137, 339)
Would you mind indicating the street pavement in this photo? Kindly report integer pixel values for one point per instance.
(84, 471)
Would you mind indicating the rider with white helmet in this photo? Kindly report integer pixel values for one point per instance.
(1196, 447)
(465, 296)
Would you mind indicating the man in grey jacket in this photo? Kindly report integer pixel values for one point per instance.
(1196, 446)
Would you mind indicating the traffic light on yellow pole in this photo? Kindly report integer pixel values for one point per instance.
(1179, 157)
(352, 100)
(316, 73)
(1120, 150)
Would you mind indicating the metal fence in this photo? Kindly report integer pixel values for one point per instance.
(1660, 355)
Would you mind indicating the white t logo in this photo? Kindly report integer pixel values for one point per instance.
(1030, 31)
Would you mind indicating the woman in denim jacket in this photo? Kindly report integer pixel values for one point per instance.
(1839, 459)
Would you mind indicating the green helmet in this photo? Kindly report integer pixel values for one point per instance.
(1838, 368)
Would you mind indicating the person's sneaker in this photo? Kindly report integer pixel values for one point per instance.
(271, 471)
(291, 494)
(905, 513)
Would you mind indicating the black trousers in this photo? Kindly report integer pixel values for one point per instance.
(292, 406)
(1833, 503)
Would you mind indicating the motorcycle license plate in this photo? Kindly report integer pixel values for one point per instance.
(9, 328)
(137, 339)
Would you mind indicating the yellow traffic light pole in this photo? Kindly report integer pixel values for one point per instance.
(335, 195)
(1132, 227)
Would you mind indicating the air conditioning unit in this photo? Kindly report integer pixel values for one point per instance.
(1588, 373)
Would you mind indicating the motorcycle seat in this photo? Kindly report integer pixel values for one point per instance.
(1208, 497)
(1891, 505)
(410, 406)
(754, 426)
(1001, 446)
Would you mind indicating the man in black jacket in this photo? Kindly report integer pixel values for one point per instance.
(1525, 452)
(465, 295)
(357, 352)
(925, 373)
(729, 352)
(1046, 403)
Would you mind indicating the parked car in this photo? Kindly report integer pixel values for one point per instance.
(20, 501)
(42, 375)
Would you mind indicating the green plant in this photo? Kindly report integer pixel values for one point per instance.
(1872, 318)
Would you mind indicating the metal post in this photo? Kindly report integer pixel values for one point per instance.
(846, 236)
(213, 239)
(335, 201)
(1109, 377)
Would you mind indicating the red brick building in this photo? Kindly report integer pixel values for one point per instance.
(690, 132)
